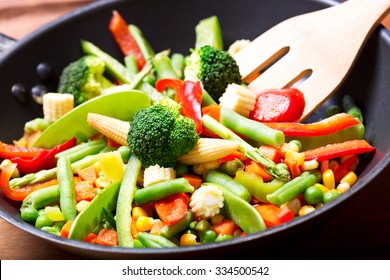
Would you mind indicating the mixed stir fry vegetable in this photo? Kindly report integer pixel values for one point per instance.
(167, 150)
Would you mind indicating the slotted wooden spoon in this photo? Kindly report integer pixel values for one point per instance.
(321, 45)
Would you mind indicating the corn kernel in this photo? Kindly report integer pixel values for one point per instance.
(188, 239)
(216, 219)
(294, 205)
(309, 165)
(144, 223)
(343, 187)
(102, 182)
(328, 179)
(319, 205)
(81, 205)
(349, 178)
(307, 209)
(137, 212)
(322, 187)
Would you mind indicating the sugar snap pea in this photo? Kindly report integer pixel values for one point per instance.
(161, 190)
(66, 184)
(88, 219)
(42, 197)
(125, 199)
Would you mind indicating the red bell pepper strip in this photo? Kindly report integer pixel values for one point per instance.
(326, 126)
(121, 33)
(274, 215)
(8, 151)
(345, 167)
(278, 105)
(172, 208)
(163, 84)
(19, 194)
(352, 147)
(45, 160)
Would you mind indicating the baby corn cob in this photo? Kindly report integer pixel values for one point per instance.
(238, 99)
(55, 105)
(112, 128)
(155, 174)
(208, 149)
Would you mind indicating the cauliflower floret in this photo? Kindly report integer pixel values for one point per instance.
(206, 201)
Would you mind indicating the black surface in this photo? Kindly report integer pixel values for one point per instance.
(355, 226)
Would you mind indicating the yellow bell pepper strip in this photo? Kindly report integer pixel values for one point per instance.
(352, 147)
(8, 151)
(326, 126)
(126, 42)
(21, 193)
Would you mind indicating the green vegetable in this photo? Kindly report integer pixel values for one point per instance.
(208, 236)
(81, 151)
(163, 66)
(351, 108)
(249, 151)
(223, 237)
(330, 195)
(120, 105)
(252, 129)
(125, 200)
(43, 221)
(227, 182)
(256, 186)
(216, 69)
(67, 194)
(178, 63)
(142, 43)
(240, 212)
(91, 216)
(42, 197)
(313, 195)
(159, 134)
(179, 226)
(84, 79)
(154, 241)
(131, 64)
(29, 214)
(161, 190)
(295, 187)
(231, 167)
(36, 124)
(208, 32)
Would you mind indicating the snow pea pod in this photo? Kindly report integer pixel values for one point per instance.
(161, 190)
(154, 241)
(88, 219)
(240, 211)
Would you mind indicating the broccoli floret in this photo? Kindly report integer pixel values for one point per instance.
(216, 69)
(159, 134)
(84, 79)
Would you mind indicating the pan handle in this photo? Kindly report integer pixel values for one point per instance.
(6, 42)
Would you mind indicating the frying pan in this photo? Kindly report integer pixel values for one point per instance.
(170, 25)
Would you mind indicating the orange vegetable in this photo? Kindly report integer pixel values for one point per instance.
(172, 208)
(274, 215)
(226, 226)
(194, 180)
(235, 155)
(107, 237)
(112, 143)
(157, 226)
(88, 173)
(271, 152)
(66, 229)
(259, 170)
(293, 166)
(84, 190)
(345, 167)
(213, 111)
(91, 238)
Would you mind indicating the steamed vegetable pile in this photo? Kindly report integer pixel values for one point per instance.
(168, 149)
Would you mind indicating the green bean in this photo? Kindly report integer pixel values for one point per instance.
(295, 187)
(92, 215)
(161, 190)
(131, 64)
(125, 200)
(67, 194)
(351, 108)
(81, 151)
(178, 64)
(154, 241)
(138, 78)
(240, 212)
(179, 226)
(227, 182)
(256, 186)
(252, 129)
(231, 167)
(113, 66)
(142, 43)
(36, 125)
(42, 197)
(29, 214)
(163, 66)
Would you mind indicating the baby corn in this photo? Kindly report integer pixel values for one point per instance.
(208, 149)
(239, 99)
(112, 128)
(55, 105)
(155, 174)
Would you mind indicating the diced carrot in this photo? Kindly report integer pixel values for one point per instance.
(293, 166)
(157, 226)
(107, 237)
(226, 226)
(91, 238)
(84, 190)
(270, 152)
(172, 208)
(256, 168)
(274, 215)
(88, 173)
(66, 229)
(194, 180)
(213, 111)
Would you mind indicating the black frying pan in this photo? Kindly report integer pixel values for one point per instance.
(170, 24)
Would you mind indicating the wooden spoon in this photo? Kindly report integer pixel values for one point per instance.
(321, 45)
